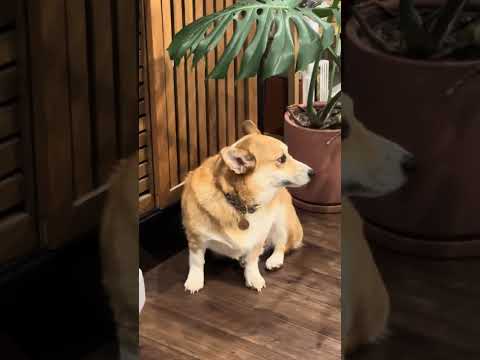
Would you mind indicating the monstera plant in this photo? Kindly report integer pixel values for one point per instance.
(271, 51)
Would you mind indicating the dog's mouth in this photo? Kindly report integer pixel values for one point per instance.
(292, 184)
(360, 190)
(286, 183)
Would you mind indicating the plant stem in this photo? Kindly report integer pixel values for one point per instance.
(313, 85)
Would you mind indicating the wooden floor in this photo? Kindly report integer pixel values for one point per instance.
(435, 309)
(297, 316)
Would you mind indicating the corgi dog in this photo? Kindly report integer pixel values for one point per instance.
(372, 166)
(236, 203)
(119, 245)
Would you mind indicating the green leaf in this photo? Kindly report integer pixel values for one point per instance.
(309, 41)
(336, 58)
(281, 55)
(253, 55)
(322, 12)
(203, 36)
(212, 39)
(235, 45)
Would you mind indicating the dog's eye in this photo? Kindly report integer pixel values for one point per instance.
(282, 159)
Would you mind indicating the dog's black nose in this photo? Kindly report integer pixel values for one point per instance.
(409, 164)
(311, 173)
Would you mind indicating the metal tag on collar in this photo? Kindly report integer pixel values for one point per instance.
(243, 224)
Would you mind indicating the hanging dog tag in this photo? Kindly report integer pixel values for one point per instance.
(243, 224)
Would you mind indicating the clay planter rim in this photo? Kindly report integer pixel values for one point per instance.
(352, 32)
(302, 128)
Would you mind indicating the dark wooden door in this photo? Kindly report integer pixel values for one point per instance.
(84, 91)
(18, 225)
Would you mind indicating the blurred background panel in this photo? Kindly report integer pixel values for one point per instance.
(68, 112)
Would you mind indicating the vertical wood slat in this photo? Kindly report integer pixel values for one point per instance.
(212, 96)
(49, 77)
(180, 97)
(104, 102)
(251, 90)
(146, 201)
(23, 118)
(191, 96)
(221, 99)
(231, 113)
(240, 96)
(126, 75)
(79, 97)
(160, 80)
(201, 92)
(164, 18)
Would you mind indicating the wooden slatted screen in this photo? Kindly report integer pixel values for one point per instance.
(18, 234)
(191, 117)
(146, 186)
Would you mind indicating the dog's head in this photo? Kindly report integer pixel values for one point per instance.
(263, 162)
(372, 166)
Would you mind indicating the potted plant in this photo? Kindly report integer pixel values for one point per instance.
(316, 125)
(413, 71)
(271, 52)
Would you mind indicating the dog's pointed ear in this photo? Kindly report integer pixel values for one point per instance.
(238, 160)
(249, 127)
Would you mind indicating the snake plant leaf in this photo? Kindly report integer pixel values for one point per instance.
(446, 20)
(417, 40)
(327, 110)
(269, 18)
(335, 56)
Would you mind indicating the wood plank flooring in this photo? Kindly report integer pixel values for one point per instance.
(435, 309)
(297, 316)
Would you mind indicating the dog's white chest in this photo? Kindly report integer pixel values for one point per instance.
(236, 243)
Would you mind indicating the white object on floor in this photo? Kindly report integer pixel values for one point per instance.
(141, 291)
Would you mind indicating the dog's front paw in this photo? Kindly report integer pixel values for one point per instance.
(275, 261)
(194, 282)
(255, 281)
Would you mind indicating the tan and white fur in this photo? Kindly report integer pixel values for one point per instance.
(371, 167)
(257, 168)
(119, 254)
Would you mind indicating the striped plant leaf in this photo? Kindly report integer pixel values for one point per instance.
(272, 20)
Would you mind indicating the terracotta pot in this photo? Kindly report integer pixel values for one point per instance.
(321, 150)
(433, 110)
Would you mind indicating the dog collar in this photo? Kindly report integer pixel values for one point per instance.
(238, 204)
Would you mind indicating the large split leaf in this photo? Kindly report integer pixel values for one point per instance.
(273, 20)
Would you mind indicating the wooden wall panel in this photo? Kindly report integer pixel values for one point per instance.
(191, 117)
(80, 97)
(18, 227)
(84, 56)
